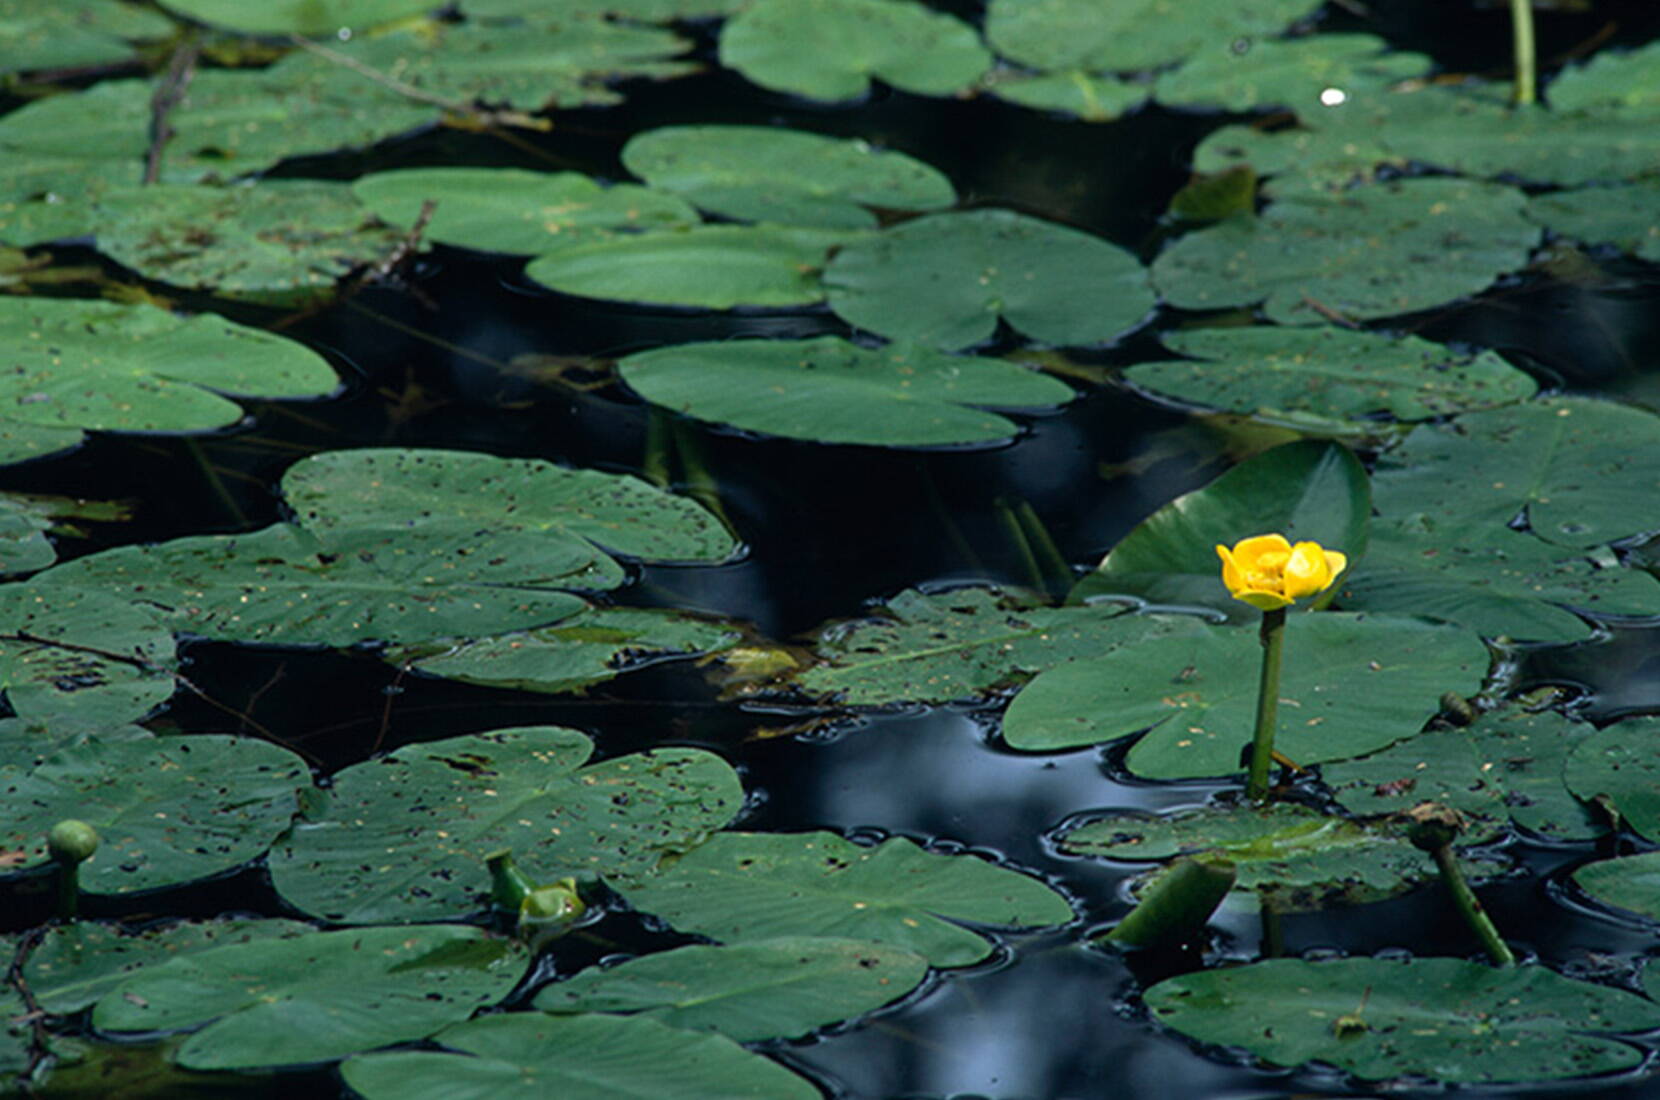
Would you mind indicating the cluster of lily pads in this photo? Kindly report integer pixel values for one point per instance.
(1483, 517)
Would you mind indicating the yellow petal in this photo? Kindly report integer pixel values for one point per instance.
(1264, 601)
(1307, 572)
(1247, 551)
(1231, 575)
(1336, 561)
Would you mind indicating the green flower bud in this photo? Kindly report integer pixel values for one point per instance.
(71, 842)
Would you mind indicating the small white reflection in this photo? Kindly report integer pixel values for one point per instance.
(1333, 97)
(344, 34)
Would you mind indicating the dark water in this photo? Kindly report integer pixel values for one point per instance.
(830, 529)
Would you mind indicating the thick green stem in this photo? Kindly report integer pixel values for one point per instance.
(1268, 705)
(1521, 34)
(1470, 907)
(1177, 905)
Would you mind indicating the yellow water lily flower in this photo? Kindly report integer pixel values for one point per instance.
(1268, 572)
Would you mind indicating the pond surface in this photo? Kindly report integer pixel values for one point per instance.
(443, 359)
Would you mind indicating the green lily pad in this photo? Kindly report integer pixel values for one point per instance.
(1504, 769)
(1293, 858)
(742, 887)
(1376, 251)
(1444, 1019)
(76, 659)
(168, 810)
(1351, 684)
(1617, 766)
(1306, 491)
(28, 742)
(1627, 216)
(279, 242)
(1233, 74)
(1130, 35)
(1610, 79)
(518, 503)
(77, 964)
(767, 989)
(708, 266)
(316, 997)
(515, 211)
(1329, 372)
(1631, 883)
(315, 17)
(641, 11)
(101, 366)
(787, 177)
(832, 49)
(962, 645)
(455, 801)
(20, 442)
(1093, 97)
(589, 648)
(945, 279)
(827, 390)
(26, 518)
(523, 1056)
(73, 33)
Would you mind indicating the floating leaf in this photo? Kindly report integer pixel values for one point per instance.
(827, 390)
(24, 546)
(1629, 882)
(1610, 79)
(28, 742)
(1132, 34)
(1627, 216)
(102, 366)
(278, 242)
(79, 660)
(962, 645)
(1329, 372)
(317, 17)
(1444, 1019)
(832, 49)
(742, 887)
(168, 810)
(1234, 74)
(20, 442)
(316, 997)
(591, 647)
(405, 836)
(1306, 491)
(1092, 97)
(77, 964)
(592, 1057)
(71, 34)
(515, 211)
(709, 266)
(1376, 251)
(945, 279)
(1618, 766)
(768, 989)
(1352, 684)
(644, 11)
(1293, 858)
(1504, 769)
(787, 177)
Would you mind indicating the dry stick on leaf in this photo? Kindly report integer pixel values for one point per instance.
(39, 1050)
(169, 94)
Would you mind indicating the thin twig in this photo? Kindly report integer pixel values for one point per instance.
(405, 248)
(393, 690)
(39, 1050)
(377, 272)
(1329, 313)
(169, 94)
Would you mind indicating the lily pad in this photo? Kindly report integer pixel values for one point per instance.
(1351, 685)
(1306, 491)
(642, 11)
(787, 177)
(515, 211)
(316, 997)
(1376, 251)
(1130, 35)
(73, 33)
(168, 810)
(1631, 883)
(279, 242)
(709, 266)
(77, 964)
(1244, 74)
(827, 390)
(79, 660)
(832, 49)
(1627, 216)
(522, 1056)
(316, 17)
(742, 887)
(24, 546)
(20, 442)
(945, 279)
(1444, 1019)
(1093, 97)
(1611, 79)
(404, 837)
(1293, 858)
(767, 989)
(962, 645)
(29, 742)
(1504, 769)
(1617, 766)
(589, 648)
(1329, 372)
(101, 366)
